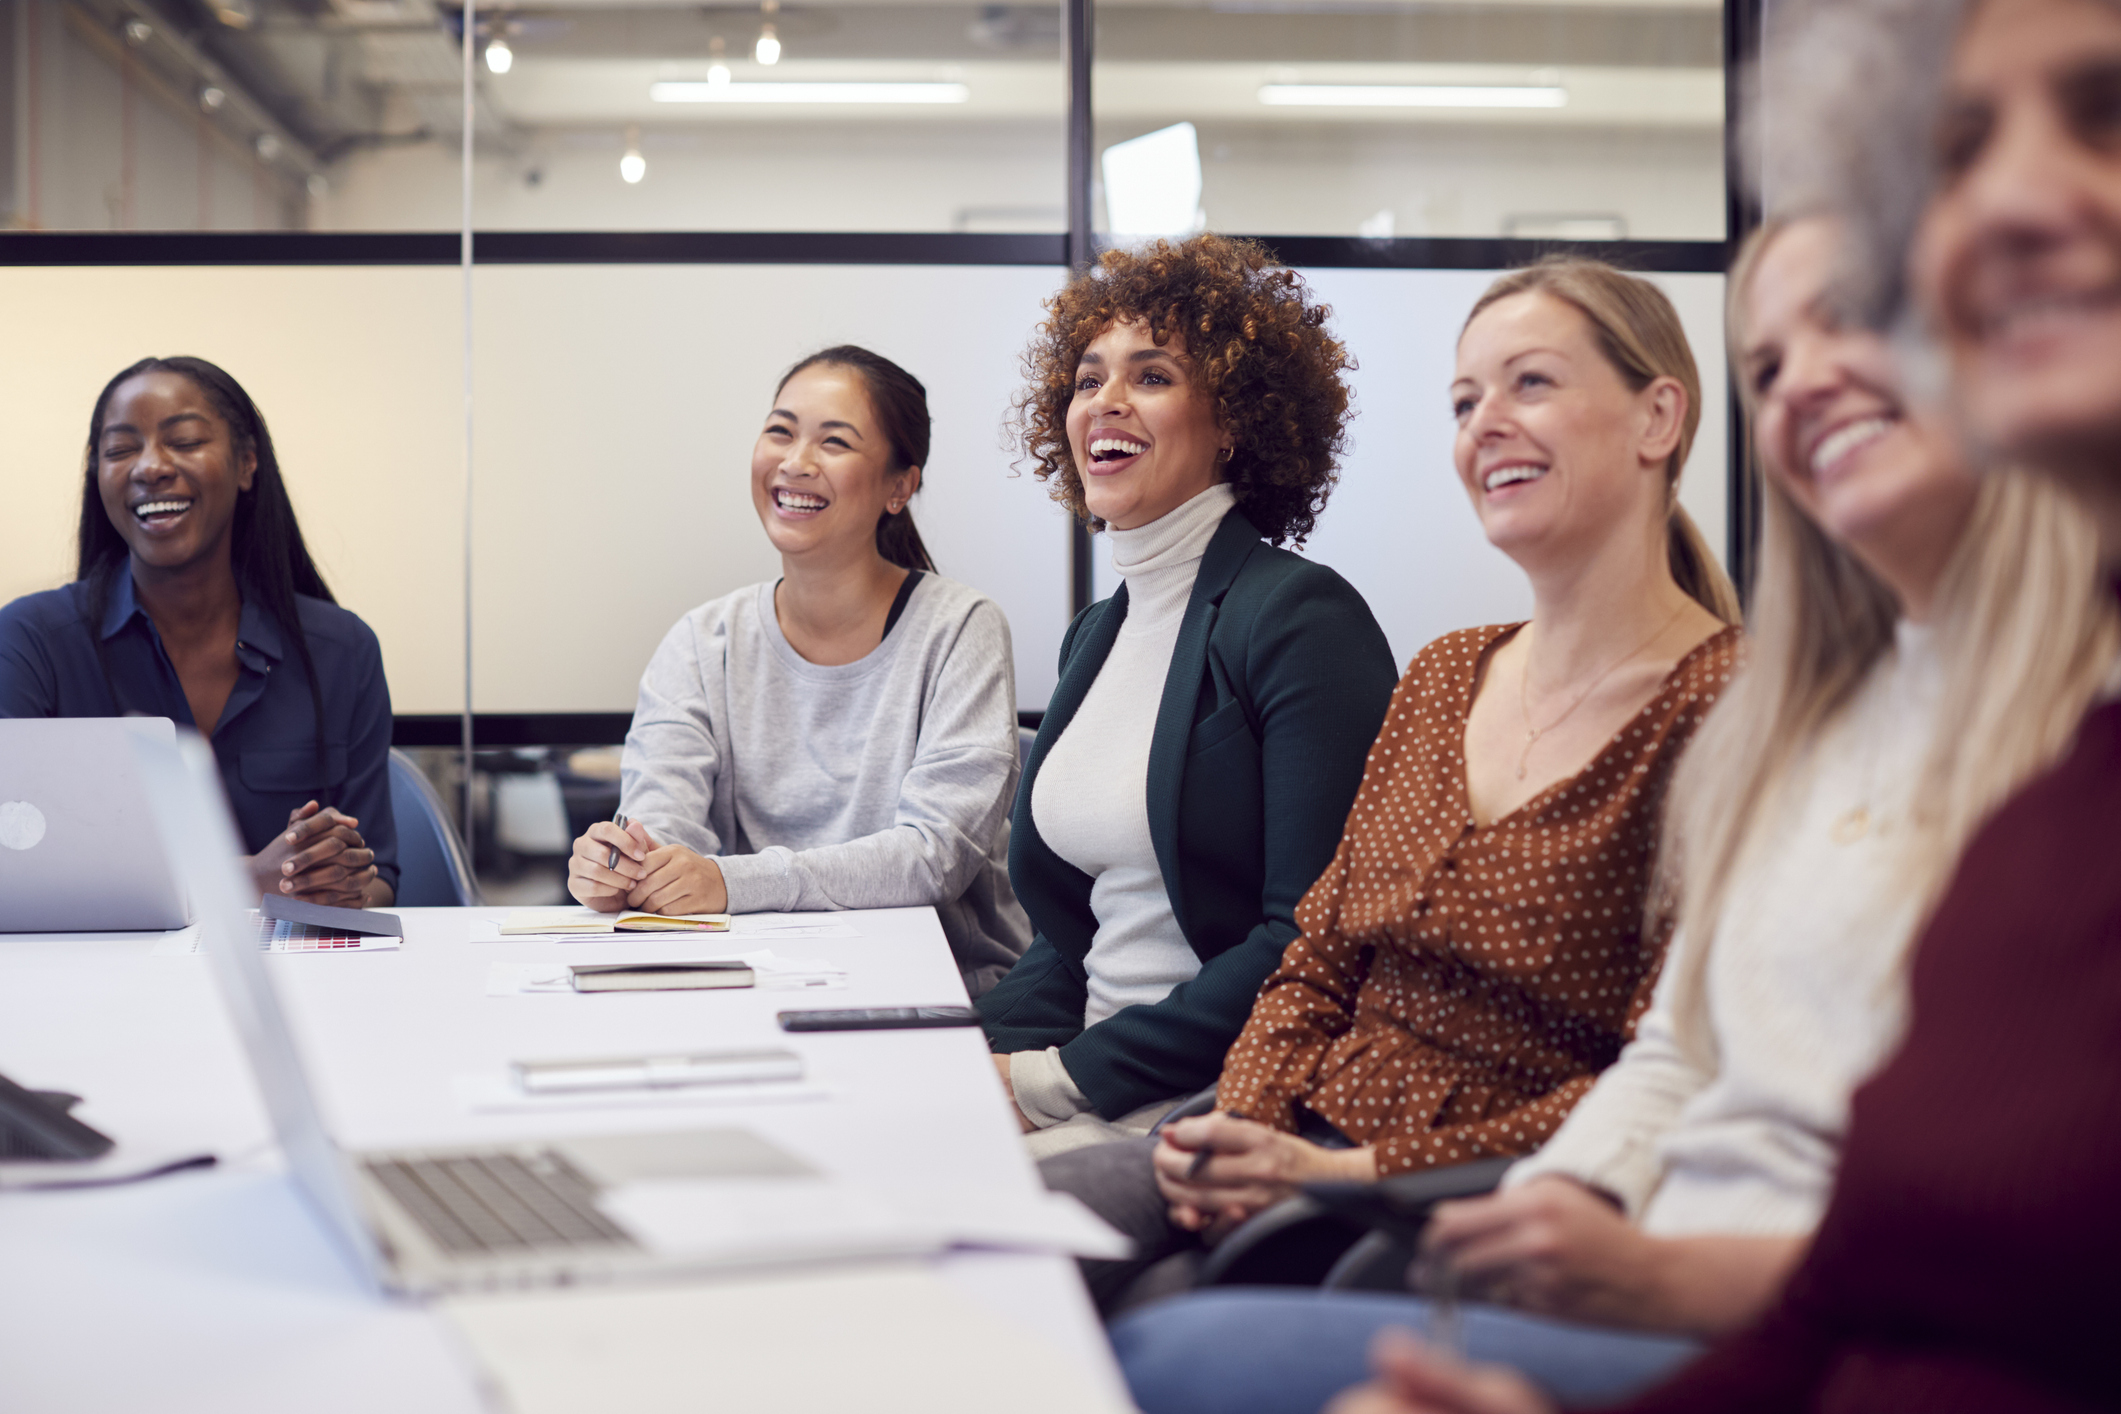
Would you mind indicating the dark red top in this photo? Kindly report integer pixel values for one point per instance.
(1970, 1259)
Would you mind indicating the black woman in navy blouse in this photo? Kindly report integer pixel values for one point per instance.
(195, 599)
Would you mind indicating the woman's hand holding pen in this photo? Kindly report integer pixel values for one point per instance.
(660, 878)
(1218, 1170)
(607, 864)
(319, 858)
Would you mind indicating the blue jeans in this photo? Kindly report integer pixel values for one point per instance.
(1276, 1351)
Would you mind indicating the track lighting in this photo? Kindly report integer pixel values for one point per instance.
(633, 166)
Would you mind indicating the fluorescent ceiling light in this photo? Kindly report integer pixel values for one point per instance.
(690, 91)
(1411, 95)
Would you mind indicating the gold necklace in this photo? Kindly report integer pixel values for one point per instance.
(1532, 734)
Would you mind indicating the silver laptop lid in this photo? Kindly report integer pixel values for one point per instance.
(77, 847)
(183, 787)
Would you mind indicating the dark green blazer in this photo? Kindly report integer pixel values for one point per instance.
(1277, 686)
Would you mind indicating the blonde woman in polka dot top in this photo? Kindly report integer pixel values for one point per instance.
(1476, 952)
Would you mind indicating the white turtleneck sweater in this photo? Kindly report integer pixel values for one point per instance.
(1091, 799)
(1726, 1112)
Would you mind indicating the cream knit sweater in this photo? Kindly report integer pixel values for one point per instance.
(1735, 1126)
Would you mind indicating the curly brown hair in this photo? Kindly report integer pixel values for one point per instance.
(1258, 345)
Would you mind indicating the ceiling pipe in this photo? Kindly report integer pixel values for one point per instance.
(238, 104)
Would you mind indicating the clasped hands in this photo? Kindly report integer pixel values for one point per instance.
(657, 878)
(1217, 1170)
(319, 858)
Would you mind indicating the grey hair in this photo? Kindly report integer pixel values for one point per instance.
(1839, 121)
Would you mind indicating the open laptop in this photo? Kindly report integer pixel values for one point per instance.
(78, 850)
(483, 1216)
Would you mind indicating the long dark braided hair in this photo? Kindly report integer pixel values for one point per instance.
(271, 563)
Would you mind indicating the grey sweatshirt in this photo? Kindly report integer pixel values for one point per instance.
(881, 783)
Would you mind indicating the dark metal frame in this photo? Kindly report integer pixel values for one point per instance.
(1742, 22)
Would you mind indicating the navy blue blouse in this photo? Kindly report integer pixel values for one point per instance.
(266, 740)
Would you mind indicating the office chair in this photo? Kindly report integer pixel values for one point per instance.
(433, 870)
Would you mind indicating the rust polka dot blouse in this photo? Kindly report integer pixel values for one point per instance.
(1457, 987)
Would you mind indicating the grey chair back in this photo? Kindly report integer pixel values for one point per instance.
(433, 870)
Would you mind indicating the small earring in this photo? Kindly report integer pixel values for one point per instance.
(1224, 454)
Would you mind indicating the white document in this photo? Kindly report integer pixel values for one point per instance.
(494, 1092)
(766, 1220)
(775, 974)
(878, 1339)
(763, 925)
(720, 1217)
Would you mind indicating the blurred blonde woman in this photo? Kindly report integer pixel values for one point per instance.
(1905, 675)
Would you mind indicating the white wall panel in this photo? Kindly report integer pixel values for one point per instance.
(357, 371)
(617, 407)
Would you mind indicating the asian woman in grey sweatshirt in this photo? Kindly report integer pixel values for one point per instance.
(844, 737)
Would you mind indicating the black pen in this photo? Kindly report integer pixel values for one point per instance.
(613, 862)
(1200, 1161)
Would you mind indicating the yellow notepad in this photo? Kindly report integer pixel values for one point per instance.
(589, 921)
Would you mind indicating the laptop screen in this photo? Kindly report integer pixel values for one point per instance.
(183, 788)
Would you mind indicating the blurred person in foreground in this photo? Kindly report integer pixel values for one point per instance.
(1965, 1261)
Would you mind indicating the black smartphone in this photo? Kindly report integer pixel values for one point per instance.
(883, 1018)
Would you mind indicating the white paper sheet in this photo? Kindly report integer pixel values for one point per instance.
(844, 1339)
(720, 1216)
(774, 973)
(774, 925)
(485, 1092)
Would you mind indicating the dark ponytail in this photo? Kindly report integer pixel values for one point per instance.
(271, 563)
(901, 406)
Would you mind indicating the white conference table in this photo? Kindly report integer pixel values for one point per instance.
(218, 1289)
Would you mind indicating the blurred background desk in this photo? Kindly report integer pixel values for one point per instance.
(218, 1290)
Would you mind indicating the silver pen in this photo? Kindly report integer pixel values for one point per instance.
(613, 862)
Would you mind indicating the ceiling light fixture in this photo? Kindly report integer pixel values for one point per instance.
(723, 91)
(138, 32)
(499, 57)
(633, 166)
(768, 50)
(211, 99)
(1412, 95)
(267, 146)
(717, 72)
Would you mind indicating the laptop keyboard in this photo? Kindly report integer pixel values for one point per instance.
(497, 1202)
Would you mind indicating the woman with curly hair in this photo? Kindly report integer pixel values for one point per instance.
(1482, 945)
(1208, 730)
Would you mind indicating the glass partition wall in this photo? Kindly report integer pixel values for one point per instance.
(1533, 119)
(672, 203)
